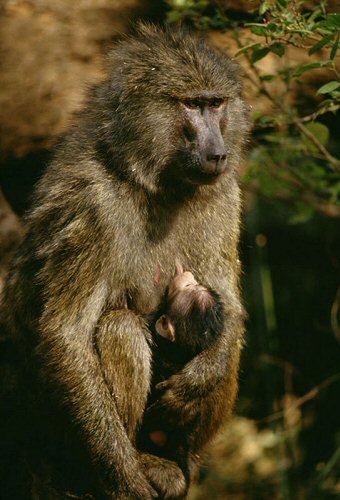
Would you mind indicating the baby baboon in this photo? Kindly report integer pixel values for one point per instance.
(146, 175)
(189, 320)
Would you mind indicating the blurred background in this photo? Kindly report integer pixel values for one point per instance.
(284, 441)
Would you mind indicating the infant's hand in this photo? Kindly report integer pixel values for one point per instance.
(178, 401)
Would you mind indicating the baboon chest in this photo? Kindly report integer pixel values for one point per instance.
(152, 264)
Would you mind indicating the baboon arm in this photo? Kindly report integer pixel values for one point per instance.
(212, 365)
(71, 365)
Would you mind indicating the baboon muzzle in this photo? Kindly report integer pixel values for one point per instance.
(210, 144)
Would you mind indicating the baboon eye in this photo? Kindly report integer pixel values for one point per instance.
(216, 103)
(192, 103)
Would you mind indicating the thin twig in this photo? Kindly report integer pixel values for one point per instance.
(320, 112)
(302, 400)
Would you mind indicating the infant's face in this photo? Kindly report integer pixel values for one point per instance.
(184, 291)
(182, 281)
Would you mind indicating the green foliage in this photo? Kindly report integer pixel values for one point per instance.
(329, 87)
(294, 157)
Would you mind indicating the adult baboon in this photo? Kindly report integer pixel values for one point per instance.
(145, 178)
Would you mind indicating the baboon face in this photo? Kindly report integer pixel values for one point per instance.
(203, 154)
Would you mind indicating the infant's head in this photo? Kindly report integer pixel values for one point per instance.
(192, 314)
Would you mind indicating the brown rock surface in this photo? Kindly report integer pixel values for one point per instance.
(50, 51)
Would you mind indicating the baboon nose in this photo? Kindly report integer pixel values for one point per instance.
(216, 158)
(215, 164)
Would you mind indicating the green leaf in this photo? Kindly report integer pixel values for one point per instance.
(246, 47)
(321, 43)
(278, 49)
(272, 27)
(307, 67)
(329, 87)
(256, 115)
(266, 121)
(334, 49)
(259, 54)
(333, 20)
(320, 131)
(267, 78)
(264, 7)
(259, 30)
(282, 3)
(335, 94)
(304, 212)
(173, 17)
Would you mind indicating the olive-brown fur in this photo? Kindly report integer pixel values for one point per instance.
(111, 205)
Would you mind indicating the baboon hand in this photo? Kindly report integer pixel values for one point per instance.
(179, 398)
(165, 476)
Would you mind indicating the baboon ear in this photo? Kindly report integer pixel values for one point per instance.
(179, 268)
(165, 328)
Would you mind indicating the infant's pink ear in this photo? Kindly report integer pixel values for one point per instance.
(179, 268)
(165, 328)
